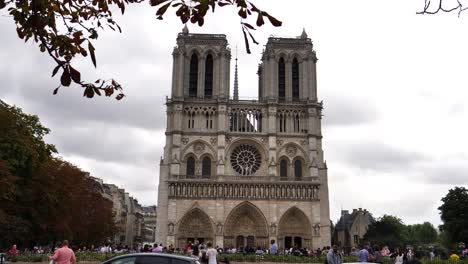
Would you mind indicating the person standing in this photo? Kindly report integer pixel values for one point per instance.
(13, 252)
(378, 258)
(196, 249)
(64, 255)
(274, 247)
(211, 254)
(334, 256)
(398, 256)
(363, 255)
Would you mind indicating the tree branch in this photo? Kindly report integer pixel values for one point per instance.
(440, 8)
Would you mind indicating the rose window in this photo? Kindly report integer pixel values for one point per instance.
(245, 159)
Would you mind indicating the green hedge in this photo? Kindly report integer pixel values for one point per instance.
(80, 256)
(238, 257)
(278, 258)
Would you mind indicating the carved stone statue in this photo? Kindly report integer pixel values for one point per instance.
(219, 228)
(171, 228)
(273, 228)
(317, 230)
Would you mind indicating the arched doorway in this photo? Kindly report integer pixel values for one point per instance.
(294, 229)
(246, 226)
(195, 225)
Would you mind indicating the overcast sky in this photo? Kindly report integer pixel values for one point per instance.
(394, 86)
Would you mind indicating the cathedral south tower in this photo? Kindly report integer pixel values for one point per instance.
(240, 173)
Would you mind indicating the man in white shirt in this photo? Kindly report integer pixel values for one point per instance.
(211, 254)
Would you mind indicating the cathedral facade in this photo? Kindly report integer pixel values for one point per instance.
(238, 172)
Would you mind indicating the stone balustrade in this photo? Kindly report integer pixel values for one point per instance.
(251, 191)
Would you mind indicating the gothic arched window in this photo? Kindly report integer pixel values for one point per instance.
(281, 79)
(206, 167)
(190, 166)
(295, 79)
(283, 168)
(193, 78)
(298, 168)
(209, 76)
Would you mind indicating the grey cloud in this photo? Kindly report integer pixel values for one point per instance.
(26, 81)
(457, 108)
(375, 156)
(345, 111)
(109, 144)
(456, 174)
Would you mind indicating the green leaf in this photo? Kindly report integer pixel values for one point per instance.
(260, 21)
(247, 47)
(201, 21)
(242, 13)
(89, 92)
(275, 22)
(109, 91)
(20, 33)
(248, 25)
(120, 96)
(157, 2)
(253, 39)
(55, 70)
(65, 80)
(75, 75)
(96, 90)
(91, 52)
(162, 10)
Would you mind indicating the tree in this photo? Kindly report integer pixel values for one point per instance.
(454, 215)
(44, 198)
(21, 140)
(387, 230)
(424, 233)
(65, 29)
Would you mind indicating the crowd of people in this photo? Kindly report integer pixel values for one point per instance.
(207, 253)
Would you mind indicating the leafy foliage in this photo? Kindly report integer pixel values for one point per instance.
(454, 214)
(387, 230)
(424, 233)
(45, 198)
(390, 230)
(195, 11)
(65, 29)
(21, 140)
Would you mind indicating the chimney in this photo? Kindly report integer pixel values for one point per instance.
(354, 211)
(344, 212)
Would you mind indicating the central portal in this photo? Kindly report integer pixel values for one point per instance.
(246, 226)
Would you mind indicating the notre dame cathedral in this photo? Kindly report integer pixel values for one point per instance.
(243, 172)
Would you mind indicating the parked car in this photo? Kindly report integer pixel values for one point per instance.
(151, 258)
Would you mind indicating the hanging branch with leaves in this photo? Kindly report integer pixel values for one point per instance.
(65, 29)
(196, 10)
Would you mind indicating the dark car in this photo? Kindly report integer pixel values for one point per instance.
(151, 258)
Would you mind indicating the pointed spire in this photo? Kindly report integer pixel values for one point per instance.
(236, 81)
(304, 34)
(185, 29)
